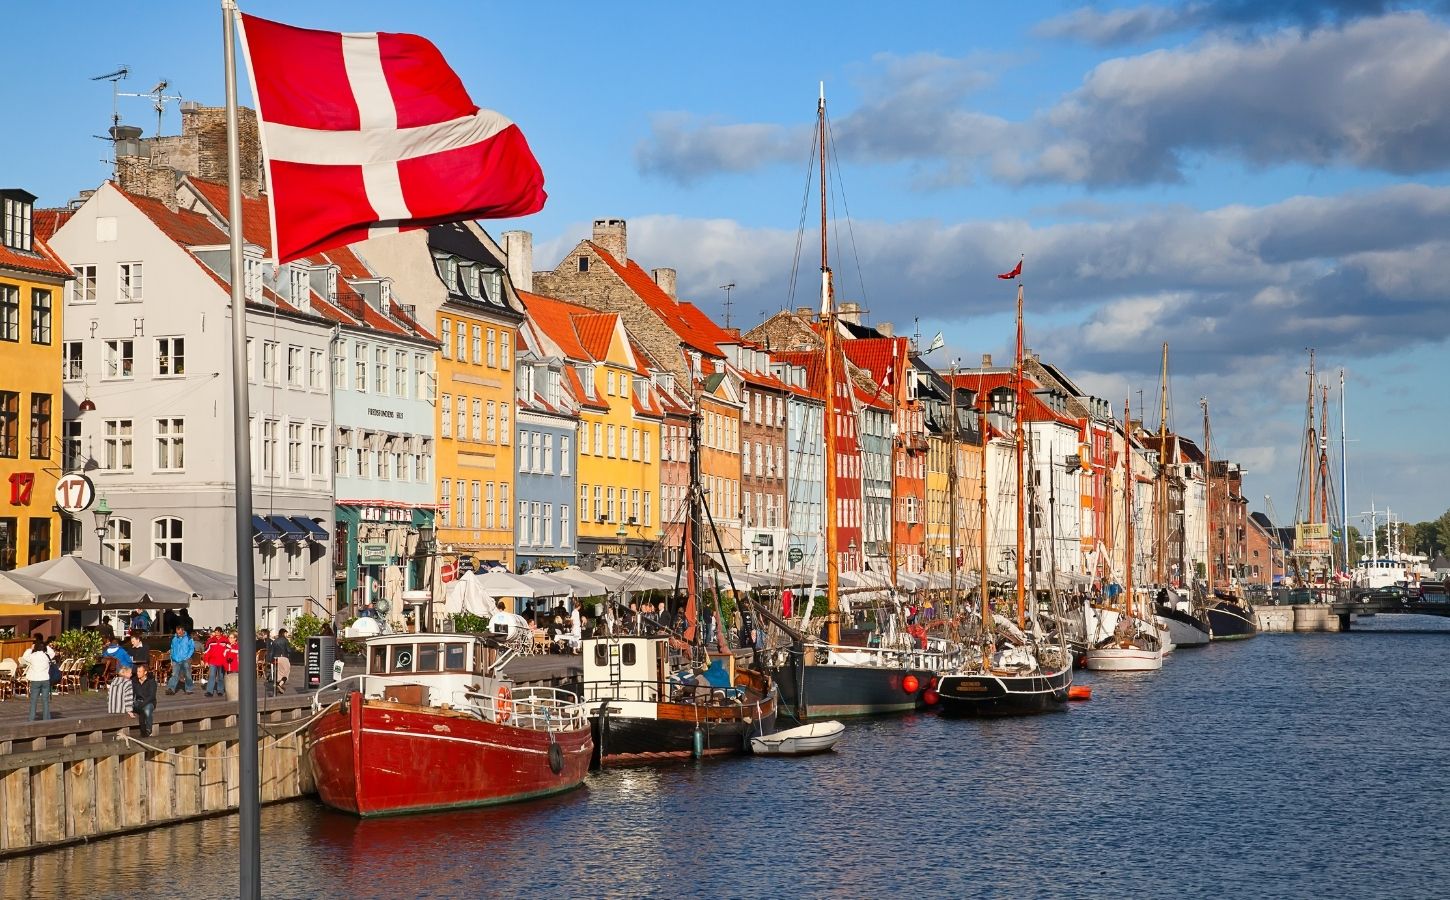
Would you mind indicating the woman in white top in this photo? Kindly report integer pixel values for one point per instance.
(36, 663)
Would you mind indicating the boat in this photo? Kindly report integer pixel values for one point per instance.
(673, 697)
(822, 677)
(1230, 617)
(1135, 644)
(803, 740)
(1179, 624)
(1014, 668)
(434, 725)
(1186, 628)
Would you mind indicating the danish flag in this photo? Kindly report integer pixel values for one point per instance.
(368, 134)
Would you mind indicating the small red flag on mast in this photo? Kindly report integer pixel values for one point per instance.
(1008, 276)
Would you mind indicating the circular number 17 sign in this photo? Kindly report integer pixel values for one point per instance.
(74, 493)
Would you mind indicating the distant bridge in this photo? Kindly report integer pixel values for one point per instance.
(1429, 605)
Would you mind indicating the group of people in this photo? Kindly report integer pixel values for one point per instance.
(132, 688)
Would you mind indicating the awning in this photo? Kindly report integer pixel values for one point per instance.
(264, 530)
(289, 529)
(314, 531)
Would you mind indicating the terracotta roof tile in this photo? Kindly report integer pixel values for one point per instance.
(555, 319)
(684, 319)
(595, 331)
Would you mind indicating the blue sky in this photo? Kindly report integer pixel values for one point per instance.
(1241, 179)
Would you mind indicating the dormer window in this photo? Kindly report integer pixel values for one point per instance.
(300, 286)
(332, 284)
(16, 208)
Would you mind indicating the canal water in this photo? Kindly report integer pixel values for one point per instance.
(1290, 765)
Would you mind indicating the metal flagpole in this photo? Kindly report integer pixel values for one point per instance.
(250, 802)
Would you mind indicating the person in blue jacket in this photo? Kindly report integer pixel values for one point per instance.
(183, 648)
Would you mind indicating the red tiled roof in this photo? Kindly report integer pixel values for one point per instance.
(554, 318)
(256, 218)
(688, 323)
(42, 260)
(46, 222)
(595, 332)
(876, 355)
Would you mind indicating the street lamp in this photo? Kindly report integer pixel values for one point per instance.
(102, 513)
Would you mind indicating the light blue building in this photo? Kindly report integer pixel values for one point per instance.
(546, 423)
(383, 390)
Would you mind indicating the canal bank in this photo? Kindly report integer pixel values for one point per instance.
(90, 775)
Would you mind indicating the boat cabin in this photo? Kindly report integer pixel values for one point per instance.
(639, 668)
(428, 669)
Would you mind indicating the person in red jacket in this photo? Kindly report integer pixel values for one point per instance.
(214, 655)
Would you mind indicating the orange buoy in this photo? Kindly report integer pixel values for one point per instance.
(1079, 692)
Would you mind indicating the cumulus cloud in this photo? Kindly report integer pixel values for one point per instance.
(1135, 24)
(1366, 94)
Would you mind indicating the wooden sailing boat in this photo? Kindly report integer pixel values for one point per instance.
(1175, 613)
(1135, 644)
(1015, 668)
(819, 677)
(654, 698)
(1230, 617)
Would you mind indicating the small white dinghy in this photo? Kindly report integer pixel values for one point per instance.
(817, 737)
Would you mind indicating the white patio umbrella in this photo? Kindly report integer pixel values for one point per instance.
(610, 579)
(204, 583)
(546, 585)
(584, 583)
(645, 580)
(107, 588)
(21, 589)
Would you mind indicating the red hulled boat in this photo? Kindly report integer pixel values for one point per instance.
(432, 726)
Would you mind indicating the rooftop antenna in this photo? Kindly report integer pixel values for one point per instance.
(159, 99)
(121, 73)
(727, 288)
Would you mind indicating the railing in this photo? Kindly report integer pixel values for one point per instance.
(885, 657)
(674, 690)
(548, 709)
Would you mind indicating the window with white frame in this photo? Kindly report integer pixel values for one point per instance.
(477, 421)
(9, 313)
(503, 502)
(166, 538)
(317, 450)
(73, 360)
(462, 342)
(116, 436)
(547, 466)
(129, 282)
(547, 536)
(400, 374)
(475, 517)
(116, 548)
(296, 563)
(424, 387)
(505, 354)
(608, 504)
(83, 289)
(120, 359)
(269, 446)
(420, 462)
(314, 370)
(598, 439)
(40, 316)
(360, 367)
(446, 337)
(252, 279)
(385, 465)
(648, 509)
(488, 498)
(523, 531)
(294, 366)
(294, 449)
(462, 418)
(490, 430)
(170, 445)
(339, 364)
(299, 286)
(492, 348)
(634, 505)
(445, 416)
(380, 371)
(536, 523)
(269, 362)
(565, 456)
(477, 345)
(565, 535)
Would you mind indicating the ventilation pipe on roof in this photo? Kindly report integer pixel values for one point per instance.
(665, 278)
(612, 236)
(518, 248)
(986, 360)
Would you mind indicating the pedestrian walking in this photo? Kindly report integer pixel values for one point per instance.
(278, 655)
(143, 700)
(215, 658)
(183, 648)
(120, 696)
(36, 662)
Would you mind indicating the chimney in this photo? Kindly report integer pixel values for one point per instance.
(127, 139)
(850, 312)
(665, 278)
(986, 360)
(208, 126)
(518, 248)
(886, 329)
(611, 236)
(805, 312)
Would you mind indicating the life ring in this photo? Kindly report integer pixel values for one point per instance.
(556, 758)
(504, 703)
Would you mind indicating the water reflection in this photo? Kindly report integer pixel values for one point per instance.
(1253, 769)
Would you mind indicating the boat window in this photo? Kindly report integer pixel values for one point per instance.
(427, 658)
(379, 663)
(601, 655)
(402, 658)
(456, 658)
(629, 654)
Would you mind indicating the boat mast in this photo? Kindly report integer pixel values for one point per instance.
(1208, 496)
(897, 435)
(1017, 438)
(982, 512)
(1128, 508)
(1160, 522)
(1324, 463)
(1343, 478)
(952, 493)
(1311, 442)
(693, 573)
(828, 326)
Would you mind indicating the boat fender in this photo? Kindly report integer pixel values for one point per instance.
(556, 758)
(699, 746)
(910, 683)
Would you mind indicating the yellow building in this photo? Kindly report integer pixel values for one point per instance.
(32, 279)
(618, 472)
(938, 503)
(475, 422)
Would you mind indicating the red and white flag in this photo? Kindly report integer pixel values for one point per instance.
(1008, 276)
(369, 134)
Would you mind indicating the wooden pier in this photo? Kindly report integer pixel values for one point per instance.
(91, 776)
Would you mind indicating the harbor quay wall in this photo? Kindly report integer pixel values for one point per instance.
(1274, 619)
(1305, 617)
(66, 781)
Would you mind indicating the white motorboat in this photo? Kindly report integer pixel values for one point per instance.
(816, 737)
(1124, 659)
